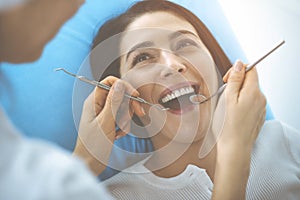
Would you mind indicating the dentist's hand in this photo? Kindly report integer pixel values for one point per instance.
(97, 129)
(239, 116)
(245, 107)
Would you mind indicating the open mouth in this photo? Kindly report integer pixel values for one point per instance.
(177, 97)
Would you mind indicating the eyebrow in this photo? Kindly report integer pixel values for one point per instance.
(181, 32)
(139, 46)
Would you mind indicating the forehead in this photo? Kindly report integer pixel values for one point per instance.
(158, 21)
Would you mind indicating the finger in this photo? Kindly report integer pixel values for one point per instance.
(112, 104)
(137, 107)
(88, 110)
(107, 117)
(131, 106)
(100, 94)
(251, 79)
(251, 87)
(235, 80)
(123, 115)
(225, 77)
(130, 89)
(109, 80)
(114, 100)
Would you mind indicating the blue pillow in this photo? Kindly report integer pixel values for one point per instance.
(39, 100)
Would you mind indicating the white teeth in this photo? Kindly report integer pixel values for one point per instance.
(177, 93)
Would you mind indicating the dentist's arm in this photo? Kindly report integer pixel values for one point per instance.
(245, 109)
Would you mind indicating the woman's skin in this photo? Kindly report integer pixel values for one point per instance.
(180, 60)
(165, 62)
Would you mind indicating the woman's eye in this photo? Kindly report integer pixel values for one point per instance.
(185, 43)
(140, 58)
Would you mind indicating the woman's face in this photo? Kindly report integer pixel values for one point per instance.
(164, 58)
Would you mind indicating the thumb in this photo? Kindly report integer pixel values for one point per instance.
(235, 80)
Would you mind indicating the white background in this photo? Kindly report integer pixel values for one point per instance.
(258, 25)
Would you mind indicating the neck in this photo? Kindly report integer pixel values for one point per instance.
(171, 158)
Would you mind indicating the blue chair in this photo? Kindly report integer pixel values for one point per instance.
(39, 100)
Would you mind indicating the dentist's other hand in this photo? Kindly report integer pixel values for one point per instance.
(102, 111)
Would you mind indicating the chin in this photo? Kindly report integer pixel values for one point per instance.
(188, 133)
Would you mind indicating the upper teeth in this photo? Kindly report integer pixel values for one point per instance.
(177, 93)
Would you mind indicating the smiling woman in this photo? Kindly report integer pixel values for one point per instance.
(176, 66)
(164, 54)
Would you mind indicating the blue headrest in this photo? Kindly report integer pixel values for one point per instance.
(39, 100)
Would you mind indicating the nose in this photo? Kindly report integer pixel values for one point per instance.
(173, 64)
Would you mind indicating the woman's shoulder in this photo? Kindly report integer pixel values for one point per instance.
(271, 133)
(273, 130)
(278, 137)
(272, 124)
(275, 163)
(278, 130)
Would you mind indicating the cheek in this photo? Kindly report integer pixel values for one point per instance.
(146, 91)
(204, 66)
(139, 77)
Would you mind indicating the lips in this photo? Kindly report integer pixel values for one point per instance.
(177, 97)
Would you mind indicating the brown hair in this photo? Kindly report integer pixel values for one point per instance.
(119, 24)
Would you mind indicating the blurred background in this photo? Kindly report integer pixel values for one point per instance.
(258, 25)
